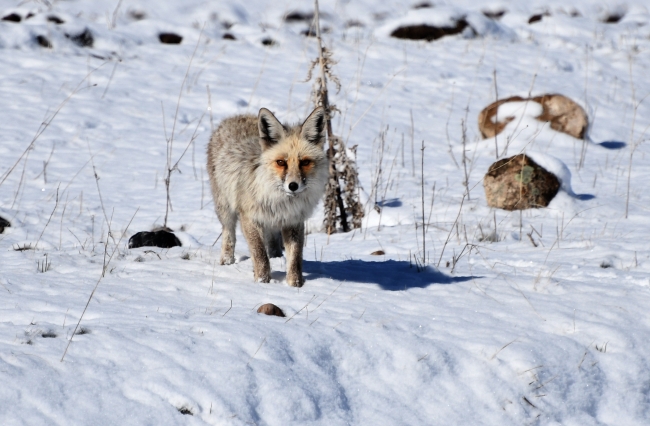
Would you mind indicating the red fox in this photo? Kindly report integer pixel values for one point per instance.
(270, 176)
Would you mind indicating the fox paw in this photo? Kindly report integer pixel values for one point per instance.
(295, 281)
(227, 260)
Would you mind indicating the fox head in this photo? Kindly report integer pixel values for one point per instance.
(294, 155)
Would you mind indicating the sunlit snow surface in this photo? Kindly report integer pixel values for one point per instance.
(517, 318)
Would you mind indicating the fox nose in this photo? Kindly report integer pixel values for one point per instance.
(293, 186)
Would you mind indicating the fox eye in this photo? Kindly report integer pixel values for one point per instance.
(305, 163)
(281, 163)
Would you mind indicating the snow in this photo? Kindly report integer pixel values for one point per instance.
(533, 317)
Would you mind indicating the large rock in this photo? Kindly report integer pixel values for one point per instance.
(565, 115)
(518, 183)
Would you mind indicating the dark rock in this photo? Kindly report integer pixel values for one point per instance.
(160, 238)
(536, 18)
(613, 18)
(268, 42)
(43, 41)
(83, 39)
(4, 223)
(518, 183)
(55, 19)
(423, 5)
(270, 309)
(170, 38)
(185, 411)
(299, 17)
(428, 32)
(494, 14)
(354, 23)
(12, 17)
(228, 36)
(137, 15)
(378, 253)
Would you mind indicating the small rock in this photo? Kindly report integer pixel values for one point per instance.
(170, 38)
(12, 17)
(423, 5)
(428, 32)
(518, 183)
(613, 18)
(269, 42)
(160, 238)
(535, 18)
(43, 41)
(228, 36)
(299, 17)
(55, 19)
(4, 223)
(83, 39)
(378, 253)
(137, 15)
(270, 309)
(494, 14)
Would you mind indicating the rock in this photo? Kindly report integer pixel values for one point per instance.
(55, 19)
(299, 17)
(518, 183)
(4, 223)
(270, 309)
(565, 115)
(12, 17)
(487, 122)
(161, 238)
(83, 39)
(228, 36)
(428, 32)
(43, 41)
(377, 253)
(494, 14)
(269, 42)
(170, 38)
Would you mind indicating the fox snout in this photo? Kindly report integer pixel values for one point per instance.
(294, 183)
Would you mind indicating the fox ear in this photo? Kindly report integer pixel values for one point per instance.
(313, 129)
(271, 130)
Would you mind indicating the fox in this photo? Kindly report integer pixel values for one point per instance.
(270, 177)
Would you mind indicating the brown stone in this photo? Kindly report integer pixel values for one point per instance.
(270, 309)
(565, 115)
(518, 183)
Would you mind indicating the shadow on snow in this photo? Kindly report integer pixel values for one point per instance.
(389, 275)
(612, 144)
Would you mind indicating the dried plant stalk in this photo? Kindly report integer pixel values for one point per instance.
(342, 168)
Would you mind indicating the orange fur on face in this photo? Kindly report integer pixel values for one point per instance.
(282, 166)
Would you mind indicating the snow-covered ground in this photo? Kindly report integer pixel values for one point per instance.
(533, 317)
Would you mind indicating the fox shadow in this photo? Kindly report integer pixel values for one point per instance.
(390, 275)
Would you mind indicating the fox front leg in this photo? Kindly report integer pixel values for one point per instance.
(255, 237)
(294, 238)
